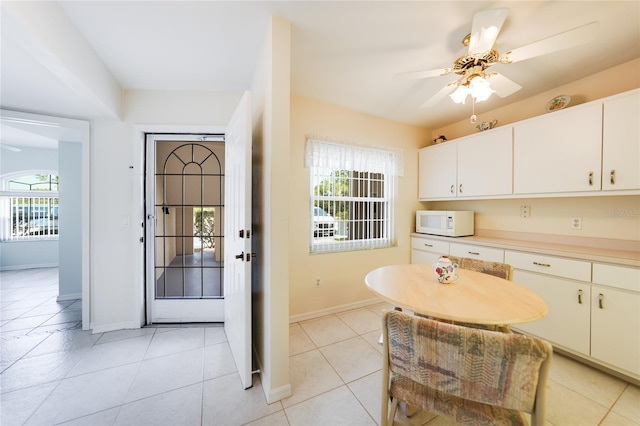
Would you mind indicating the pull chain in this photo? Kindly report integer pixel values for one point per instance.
(473, 111)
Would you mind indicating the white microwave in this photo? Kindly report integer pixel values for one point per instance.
(447, 223)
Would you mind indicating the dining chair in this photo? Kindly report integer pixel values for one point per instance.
(498, 269)
(471, 375)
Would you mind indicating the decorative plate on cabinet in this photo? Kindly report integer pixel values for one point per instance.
(557, 103)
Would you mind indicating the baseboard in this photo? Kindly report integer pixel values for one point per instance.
(333, 310)
(277, 394)
(129, 325)
(21, 267)
(72, 296)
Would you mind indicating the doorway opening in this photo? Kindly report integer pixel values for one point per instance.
(185, 208)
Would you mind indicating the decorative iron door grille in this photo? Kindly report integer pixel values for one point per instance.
(189, 212)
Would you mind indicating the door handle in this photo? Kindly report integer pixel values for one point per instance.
(601, 301)
(240, 256)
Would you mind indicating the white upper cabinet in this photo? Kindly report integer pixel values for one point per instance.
(485, 163)
(621, 143)
(559, 152)
(589, 149)
(437, 170)
(473, 166)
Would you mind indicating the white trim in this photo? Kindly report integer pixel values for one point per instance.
(139, 140)
(278, 393)
(71, 296)
(333, 310)
(127, 325)
(21, 267)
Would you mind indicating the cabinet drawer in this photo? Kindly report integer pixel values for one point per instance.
(627, 278)
(551, 265)
(427, 244)
(476, 252)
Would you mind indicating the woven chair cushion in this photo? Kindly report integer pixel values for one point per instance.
(497, 269)
(482, 366)
(461, 410)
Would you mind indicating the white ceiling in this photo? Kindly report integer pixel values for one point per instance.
(345, 53)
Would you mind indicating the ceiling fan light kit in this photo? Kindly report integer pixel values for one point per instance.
(476, 86)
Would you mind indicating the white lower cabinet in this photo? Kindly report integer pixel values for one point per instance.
(594, 310)
(567, 322)
(427, 251)
(615, 316)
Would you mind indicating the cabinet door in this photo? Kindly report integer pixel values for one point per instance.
(485, 163)
(621, 143)
(437, 171)
(559, 152)
(615, 327)
(567, 322)
(424, 257)
(427, 251)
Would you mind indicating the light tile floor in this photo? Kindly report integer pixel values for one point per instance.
(52, 372)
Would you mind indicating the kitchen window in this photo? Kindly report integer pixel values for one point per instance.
(29, 207)
(352, 196)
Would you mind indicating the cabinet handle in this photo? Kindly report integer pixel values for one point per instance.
(580, 297)
(613, 177)
(600, 301)
(546, 265)
(453, 188)
(591, 178)
(460, 188)
(428, 245)
(475, 253)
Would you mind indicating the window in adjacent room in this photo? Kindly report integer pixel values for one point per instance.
(29, 207)
(352, 196)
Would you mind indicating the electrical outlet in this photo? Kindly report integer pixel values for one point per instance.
(576, 223)
(525, 211)
(317, 282)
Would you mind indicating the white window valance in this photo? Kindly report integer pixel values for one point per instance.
(334, 155)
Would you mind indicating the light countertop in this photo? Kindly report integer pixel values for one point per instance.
(620, 252)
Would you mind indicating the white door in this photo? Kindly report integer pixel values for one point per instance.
(237, 232)
(184, 236)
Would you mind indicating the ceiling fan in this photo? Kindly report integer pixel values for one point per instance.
(475, 79)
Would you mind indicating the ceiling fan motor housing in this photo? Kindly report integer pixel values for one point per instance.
(464, 63)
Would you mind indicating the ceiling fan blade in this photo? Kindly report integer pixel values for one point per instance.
(485, 29)
(502, 85)
(440, 94)
(416, 75)
(565, 40)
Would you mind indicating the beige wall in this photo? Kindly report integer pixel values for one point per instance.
(270, 213)
(615, 217)
(342, 274)
(606, 83)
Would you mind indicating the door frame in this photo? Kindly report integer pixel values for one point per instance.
(139, 140)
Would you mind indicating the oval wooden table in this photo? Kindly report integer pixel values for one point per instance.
(474, 297)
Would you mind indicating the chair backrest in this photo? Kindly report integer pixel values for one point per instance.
(501, 270)
(499, 369)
